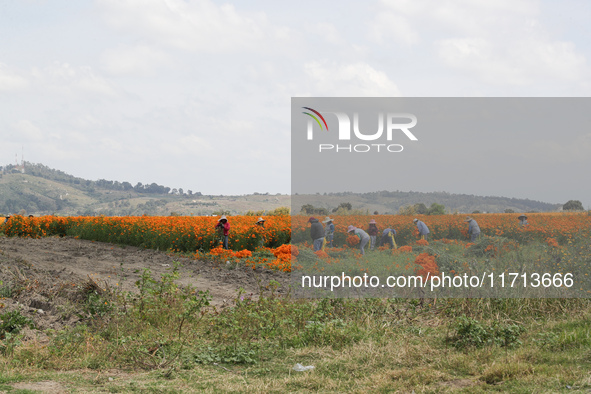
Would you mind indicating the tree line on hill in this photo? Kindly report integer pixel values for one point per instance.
(42, 171)
(346, 208)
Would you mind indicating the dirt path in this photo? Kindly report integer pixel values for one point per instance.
(47, 264)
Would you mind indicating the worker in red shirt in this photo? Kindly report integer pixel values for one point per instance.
(223, 228)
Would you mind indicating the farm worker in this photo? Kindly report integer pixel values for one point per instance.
(6, 219)
(363, 237)
(473, 229)
(260, 224)
(522, 220)
(223, 227)
(388, 238)
(328, 232)
(373, 233)
(423, 229)
(317, 233)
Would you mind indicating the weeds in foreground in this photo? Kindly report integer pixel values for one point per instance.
(375, 344)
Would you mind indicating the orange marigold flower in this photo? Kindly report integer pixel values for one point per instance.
(552, 242)
(352, 240)
(321, 254)
(405, 248)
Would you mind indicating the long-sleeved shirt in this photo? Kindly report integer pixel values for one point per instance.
(423, 230)
(360, 233)
(473, 227)
(316, 229)
(224, 226)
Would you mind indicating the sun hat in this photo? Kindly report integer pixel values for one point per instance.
(327, 219)
(351, 228)
(311, 219)
(260, 220)
(522, 216)
(222, 218)
(415, 220)
(468, 218)
(372, 221)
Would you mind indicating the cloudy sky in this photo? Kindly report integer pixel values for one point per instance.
(196, 93)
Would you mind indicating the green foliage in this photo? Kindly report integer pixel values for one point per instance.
(489, 246)
(344, 206)
(470, 333)
(436, 209)
(421, 209)
(309, 209)
(279, 211)
(5, 290)
(573, 205)
(12, 323)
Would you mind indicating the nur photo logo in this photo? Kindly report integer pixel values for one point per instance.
(389, 125)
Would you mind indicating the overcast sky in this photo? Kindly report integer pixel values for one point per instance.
(196, 93)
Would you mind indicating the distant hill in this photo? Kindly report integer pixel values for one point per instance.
(41, 190)
(390, 202)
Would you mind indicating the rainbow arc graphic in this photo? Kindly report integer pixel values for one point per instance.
(315, 118)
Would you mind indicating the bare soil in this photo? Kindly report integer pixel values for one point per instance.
(49, 273)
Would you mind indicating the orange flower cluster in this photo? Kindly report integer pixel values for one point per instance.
(284, 253)
(223, 253)
(352, 240)
(558, 225)
(422, 242)
(403, 249)
(175, 233)
(321, 254)
(552, 242)
(429, 267)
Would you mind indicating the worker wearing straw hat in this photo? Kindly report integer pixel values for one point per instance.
(260, 225)
(473, 229)
(422, 227)
(261, 222)
(522, 220)
(363, 237)
(328, 232)
(223, 227)
(373, 233)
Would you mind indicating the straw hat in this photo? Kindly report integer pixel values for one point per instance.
(522, 217)
(350, 228)
(260, 220)
(327, 219)
(372, 221)
(468, 219)
(415, 220)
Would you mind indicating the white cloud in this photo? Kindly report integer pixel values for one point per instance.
(71, 80)
(500, 41)
(195, 25)
(523, 62)
(390, 26)
(357, 79)
(11, 80)
(27, 131)
(137, 59)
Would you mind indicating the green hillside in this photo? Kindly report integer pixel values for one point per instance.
(41, 190)
(388, 202)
